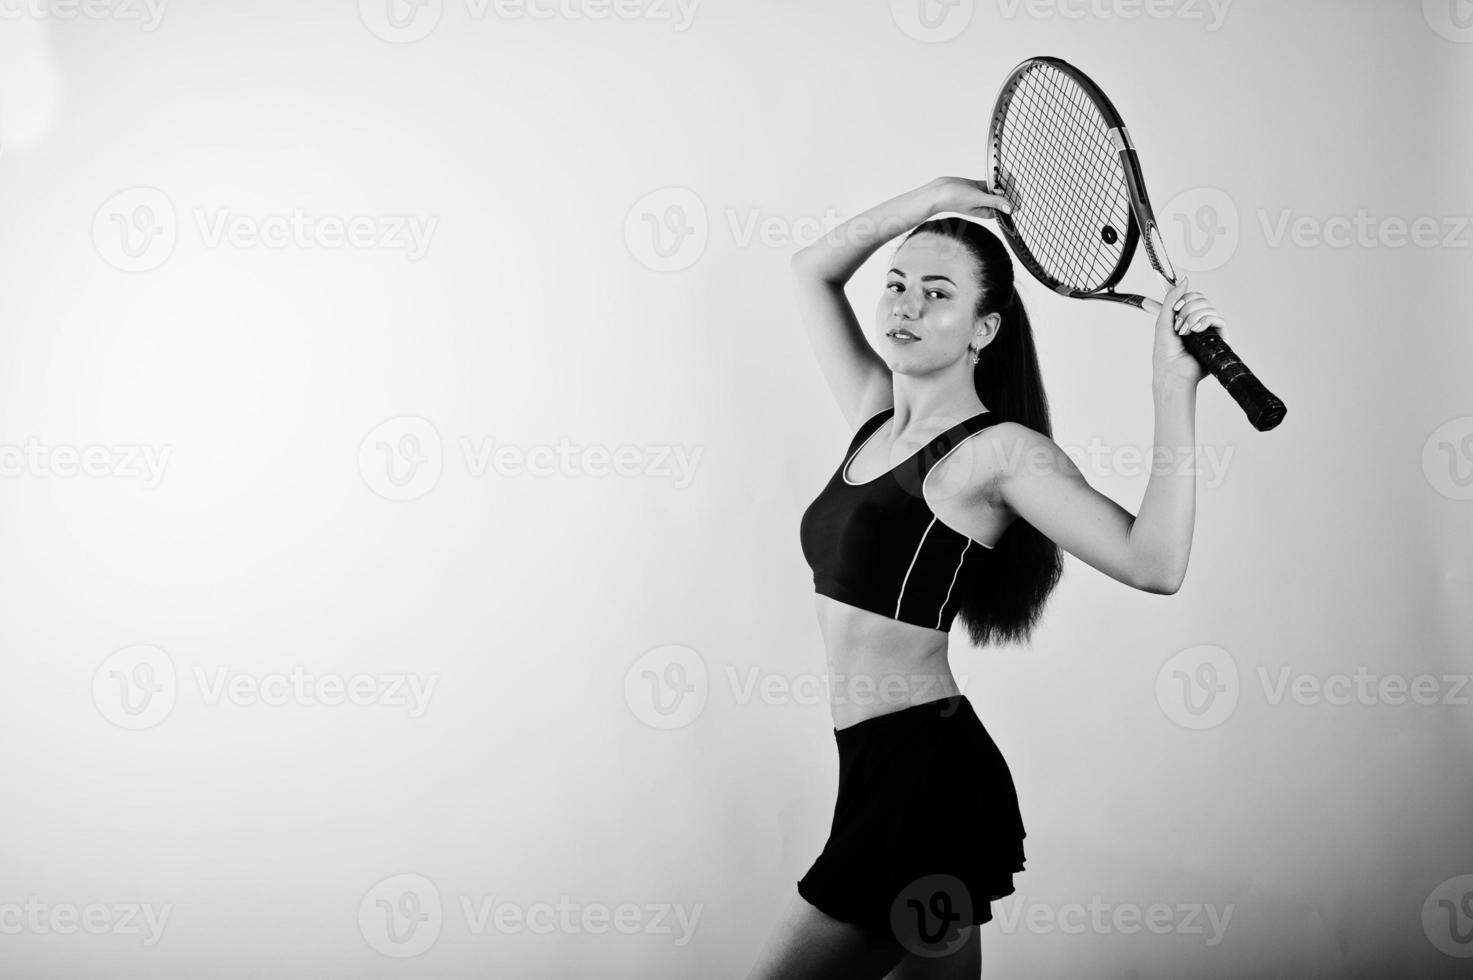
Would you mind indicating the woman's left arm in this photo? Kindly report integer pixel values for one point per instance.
(1148, 551)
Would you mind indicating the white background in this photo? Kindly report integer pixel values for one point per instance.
(324, 505)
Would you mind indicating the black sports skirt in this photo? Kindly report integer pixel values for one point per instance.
(926, 822)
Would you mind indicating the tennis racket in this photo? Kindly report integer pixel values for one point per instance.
(1060, 154)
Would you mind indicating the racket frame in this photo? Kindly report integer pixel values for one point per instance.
(1265, 410)
(1140, 219)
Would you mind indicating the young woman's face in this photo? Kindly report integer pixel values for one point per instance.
(931, 293)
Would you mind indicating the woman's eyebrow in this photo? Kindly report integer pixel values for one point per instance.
(923, 278)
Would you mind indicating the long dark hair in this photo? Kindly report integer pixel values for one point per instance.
(1025, 565)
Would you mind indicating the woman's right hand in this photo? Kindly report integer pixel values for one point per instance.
(969, 197)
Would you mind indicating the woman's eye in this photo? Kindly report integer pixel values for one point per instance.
(933, 293)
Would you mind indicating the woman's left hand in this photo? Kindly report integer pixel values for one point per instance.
(1193, 313)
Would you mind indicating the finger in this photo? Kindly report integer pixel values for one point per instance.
(1174, 295)
(1190, 306)
(1203, 323)
(1150, 305)
(1195, 320)
(1196, 309)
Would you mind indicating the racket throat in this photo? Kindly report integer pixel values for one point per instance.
(1129, 299)
(1155, 247)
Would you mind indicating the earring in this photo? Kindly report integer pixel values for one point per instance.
(976, 354)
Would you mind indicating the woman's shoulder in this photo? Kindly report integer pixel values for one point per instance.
(1018, 433)
(1021, 449)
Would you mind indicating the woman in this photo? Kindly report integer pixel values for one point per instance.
(952, 499)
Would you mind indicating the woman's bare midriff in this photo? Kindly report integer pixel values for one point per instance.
(877, 665)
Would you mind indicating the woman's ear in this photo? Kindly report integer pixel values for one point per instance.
(986, 330)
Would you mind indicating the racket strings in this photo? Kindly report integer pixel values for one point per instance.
(1071, 177)
(1063, 156)
(1065, 243)
(1057, 164)
(1092, 152)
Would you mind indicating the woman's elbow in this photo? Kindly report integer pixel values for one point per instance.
(1157, 578)
(1160, 584)
(814, 262)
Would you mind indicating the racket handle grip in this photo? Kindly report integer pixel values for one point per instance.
(1263, 407)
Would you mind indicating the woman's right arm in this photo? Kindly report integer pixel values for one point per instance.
(856, 375)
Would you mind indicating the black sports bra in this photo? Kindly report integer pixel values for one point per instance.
(879, 546)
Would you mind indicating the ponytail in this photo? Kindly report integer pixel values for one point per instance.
(1024, 566)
